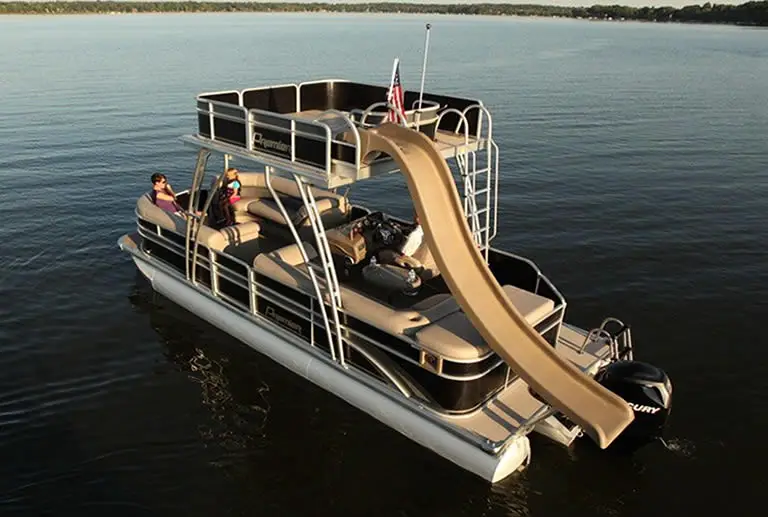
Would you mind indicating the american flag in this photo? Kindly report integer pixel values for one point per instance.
(395, 96)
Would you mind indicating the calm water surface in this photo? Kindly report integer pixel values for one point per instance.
(635, 173)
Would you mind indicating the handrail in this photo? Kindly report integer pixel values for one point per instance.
(213, 114)
(192, 220)
(492, 150)
(324, 252)
(432, 104)
(539, 415)
(462, 119)
(470, 187)
(389, 107)
(394, 379)
(303, 251)
(295, 130)
(352, 126)
(297, 308)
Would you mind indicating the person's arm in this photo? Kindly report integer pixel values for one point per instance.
(170, 191)
(412, 242)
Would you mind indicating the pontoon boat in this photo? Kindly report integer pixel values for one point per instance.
(465, 354)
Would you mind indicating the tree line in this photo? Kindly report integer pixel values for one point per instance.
(750, 13)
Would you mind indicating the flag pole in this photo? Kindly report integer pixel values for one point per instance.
(392, 85)
(423, 74)
(392, 80)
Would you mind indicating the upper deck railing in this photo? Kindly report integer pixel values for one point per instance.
(312, 128)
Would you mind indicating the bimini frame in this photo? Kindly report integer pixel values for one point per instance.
(482, 219)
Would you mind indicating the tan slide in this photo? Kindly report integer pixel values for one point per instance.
(602, 414)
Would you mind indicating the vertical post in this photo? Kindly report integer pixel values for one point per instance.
(211, 120)
(392, 79)
(423, 75)
(214, 270)
(252, 291)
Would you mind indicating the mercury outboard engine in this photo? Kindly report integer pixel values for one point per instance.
(648, 391)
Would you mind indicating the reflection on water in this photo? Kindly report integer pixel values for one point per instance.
(511, 495)
(231, 381)
(680, 446)
(233, 424)
(237, 419)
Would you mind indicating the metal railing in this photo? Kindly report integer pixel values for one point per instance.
(284, 128)
(275, 137)
(619, 341)
(312, 312)
(480, 204)
(215, 261)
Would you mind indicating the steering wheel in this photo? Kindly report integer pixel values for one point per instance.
(387, 233)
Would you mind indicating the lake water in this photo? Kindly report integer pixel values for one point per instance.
(634, 172)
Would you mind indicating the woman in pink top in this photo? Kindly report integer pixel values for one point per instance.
(162, 195)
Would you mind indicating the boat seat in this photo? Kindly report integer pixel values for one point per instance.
(209, 237)
(452, 333)
(424, 256)
(286, 266)
(436, 323)
(257, 204)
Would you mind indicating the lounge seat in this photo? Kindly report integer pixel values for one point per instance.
(424, 256)
(436, 323)
(257, 204)
(453, 335)
(213, 239)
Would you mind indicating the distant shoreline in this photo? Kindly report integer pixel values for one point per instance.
(748, 14)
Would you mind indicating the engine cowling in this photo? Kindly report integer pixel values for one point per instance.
(648, 391)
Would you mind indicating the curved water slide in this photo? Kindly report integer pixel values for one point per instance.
(602, 414)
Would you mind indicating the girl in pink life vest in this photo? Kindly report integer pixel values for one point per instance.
(233, 186)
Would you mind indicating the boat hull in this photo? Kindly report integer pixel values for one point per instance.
(405, 416)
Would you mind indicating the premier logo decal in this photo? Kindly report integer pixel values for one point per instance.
(266, 143)
(644, 409)
(282, 320)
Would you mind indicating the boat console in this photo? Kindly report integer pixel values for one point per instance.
(356, 245)
(365, 236)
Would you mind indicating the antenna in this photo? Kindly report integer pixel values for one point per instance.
(423, 74)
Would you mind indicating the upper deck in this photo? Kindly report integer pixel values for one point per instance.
(312, 128)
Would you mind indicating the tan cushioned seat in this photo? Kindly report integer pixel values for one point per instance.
(436, 323)
(453, 335)
(285, 266)
(257, 201)
(214, 239)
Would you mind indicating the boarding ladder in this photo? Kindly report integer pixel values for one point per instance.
(479, 172)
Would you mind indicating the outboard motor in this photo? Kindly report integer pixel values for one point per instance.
(648, 391)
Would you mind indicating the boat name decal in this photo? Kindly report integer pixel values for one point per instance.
(644, 409)
(282, 320)
(266, 143)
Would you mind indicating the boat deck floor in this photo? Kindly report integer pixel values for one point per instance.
(500, 418)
